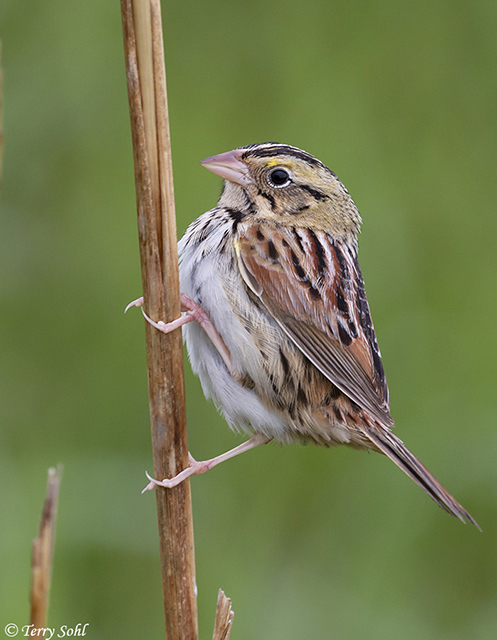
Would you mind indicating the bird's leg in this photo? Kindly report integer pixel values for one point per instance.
(197, 467)
(193, 312)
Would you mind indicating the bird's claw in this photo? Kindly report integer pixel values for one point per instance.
(135, 303)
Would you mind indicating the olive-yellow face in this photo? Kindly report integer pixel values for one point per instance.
(285, 185)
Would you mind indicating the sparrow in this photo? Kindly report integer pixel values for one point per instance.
(276, 320)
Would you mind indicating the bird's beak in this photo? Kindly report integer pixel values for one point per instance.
(229, 166)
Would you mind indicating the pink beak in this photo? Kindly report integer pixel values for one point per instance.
(229, 166)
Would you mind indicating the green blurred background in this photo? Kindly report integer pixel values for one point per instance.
(400, 100)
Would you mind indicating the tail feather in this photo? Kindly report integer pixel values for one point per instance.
(395, 449)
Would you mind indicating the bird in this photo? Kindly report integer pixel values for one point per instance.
(275, 316)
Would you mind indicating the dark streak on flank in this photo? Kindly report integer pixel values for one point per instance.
(351, 417)
(291, 409)
(301, 397)
(333, 394)
(247, 382)
(284, 363)
(289, 384)
(355, 407)
(276, 392)
(260, 235)
(224, 240)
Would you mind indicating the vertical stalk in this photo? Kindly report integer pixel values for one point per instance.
(42, 555)
(145, 72)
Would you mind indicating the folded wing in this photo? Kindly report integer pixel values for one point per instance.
(312, 286)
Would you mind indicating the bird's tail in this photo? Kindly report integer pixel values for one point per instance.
(395, 449)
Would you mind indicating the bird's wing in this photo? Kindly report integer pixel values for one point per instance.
(312, 286)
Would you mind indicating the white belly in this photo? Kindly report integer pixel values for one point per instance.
(211, 285)
(212, 279)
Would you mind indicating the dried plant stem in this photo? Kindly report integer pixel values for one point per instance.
(224, 617)
(42, 553)
(157, 238)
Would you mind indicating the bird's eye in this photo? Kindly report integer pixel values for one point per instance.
(279, 178)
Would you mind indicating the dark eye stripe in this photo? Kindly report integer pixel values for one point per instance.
(317, 195)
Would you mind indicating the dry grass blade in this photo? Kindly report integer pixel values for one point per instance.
(42, 553)
(224, 617)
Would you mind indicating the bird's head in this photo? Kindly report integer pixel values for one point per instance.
(285, 185)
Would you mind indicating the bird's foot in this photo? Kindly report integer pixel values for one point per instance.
(193, 312)
(197, 467)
